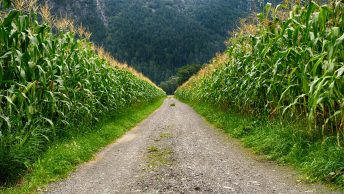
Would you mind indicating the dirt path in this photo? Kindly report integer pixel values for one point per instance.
(176, 151)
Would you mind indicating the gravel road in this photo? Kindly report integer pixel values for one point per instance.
(176, 151)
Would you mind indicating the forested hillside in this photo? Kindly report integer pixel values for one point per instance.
(156, 37)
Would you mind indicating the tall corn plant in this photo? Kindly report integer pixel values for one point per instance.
(292, 66)
(51, 84)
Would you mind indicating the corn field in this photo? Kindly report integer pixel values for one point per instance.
(52, 82)
(289, 64)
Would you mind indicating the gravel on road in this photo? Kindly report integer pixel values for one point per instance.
(176, 151)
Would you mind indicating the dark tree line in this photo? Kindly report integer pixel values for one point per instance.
(182, 75)
(159, 36)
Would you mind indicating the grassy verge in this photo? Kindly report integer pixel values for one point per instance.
(282, 141)
(63, 157)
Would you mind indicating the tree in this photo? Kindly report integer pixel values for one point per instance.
(183, 74)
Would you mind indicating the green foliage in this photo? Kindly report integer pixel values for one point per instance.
(281, 140)
(63, 156)
(183, 74)
(83, 13)
(158, 36)
(291, 66)
(170, 85)
(6, 3)
(51, 84)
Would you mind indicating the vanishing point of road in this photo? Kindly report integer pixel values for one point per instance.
(176, 151)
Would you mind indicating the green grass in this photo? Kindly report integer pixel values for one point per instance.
(283, 141)
(159, 156)
(282, 65)
(286, 72)
(53, 83)
(63, 157)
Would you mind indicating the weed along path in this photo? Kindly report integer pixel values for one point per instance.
(176, 151)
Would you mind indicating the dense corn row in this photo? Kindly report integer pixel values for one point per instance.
(51, 83)
(288, 64)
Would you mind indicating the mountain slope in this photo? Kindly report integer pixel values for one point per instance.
(157, 36)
